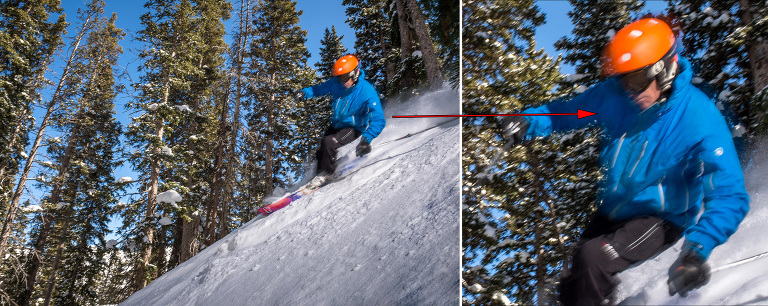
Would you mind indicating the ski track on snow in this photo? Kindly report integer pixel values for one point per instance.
(386, 234)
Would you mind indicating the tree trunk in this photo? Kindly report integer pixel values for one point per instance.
(758, 58)
(233, 158)
(176, 248)
(189, 229)
(270, 139)
(406, 48)
(160, 261)
(140, 278)
(389, 67)
(431, 64)
(218, 184)
(540, 274)
(189, 238)
(541, 265)
(55, 268)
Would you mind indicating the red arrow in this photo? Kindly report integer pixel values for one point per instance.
(579, 114)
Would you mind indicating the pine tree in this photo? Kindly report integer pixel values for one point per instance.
(86, 161)
(29, 40)
(331, 51)
(279, 137)
(171, 63)
(374, 44)
(12, 276)
(115, 285)
(197, 134)
(227, 159)
(729, 36)
(95, 137)
(595, 23)
(394, 39)
(518, 219)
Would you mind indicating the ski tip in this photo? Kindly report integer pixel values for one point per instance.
(266, 210)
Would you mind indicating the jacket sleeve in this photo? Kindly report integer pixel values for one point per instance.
(321, 89)
(600, 99)
(726, 201)
(374, 115)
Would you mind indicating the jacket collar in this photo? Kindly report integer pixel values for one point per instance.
(682, 80)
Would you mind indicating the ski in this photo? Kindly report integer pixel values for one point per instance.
(293, 196)
(279, 204)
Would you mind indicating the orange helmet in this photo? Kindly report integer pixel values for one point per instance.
(345, 64)
(639, 44)
(641, 52)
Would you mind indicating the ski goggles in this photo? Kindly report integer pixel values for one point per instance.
(637, 81)
(343, 78)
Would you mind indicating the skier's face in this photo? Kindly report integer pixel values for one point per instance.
(347, 79)
(646, 98)
(348, 83)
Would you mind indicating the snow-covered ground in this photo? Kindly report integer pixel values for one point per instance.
(746, 284)
(385, 234)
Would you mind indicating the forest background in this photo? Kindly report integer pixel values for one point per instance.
(177, 127)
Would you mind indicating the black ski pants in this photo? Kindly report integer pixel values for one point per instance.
(329, 147)
(607, 248)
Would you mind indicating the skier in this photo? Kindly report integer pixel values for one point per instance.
(356, 111)
(671, 166)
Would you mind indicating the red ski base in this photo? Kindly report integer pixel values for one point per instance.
(276, 206)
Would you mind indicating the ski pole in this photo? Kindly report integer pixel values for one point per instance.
(739, 262)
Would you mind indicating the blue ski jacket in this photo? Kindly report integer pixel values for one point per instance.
(357, 107)
(675, 160)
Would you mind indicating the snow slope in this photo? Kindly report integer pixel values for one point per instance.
(746, 284)
(385, 234)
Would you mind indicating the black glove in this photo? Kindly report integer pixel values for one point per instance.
(364, 147)
(299, 95)
(688, 272)
(514, 128)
